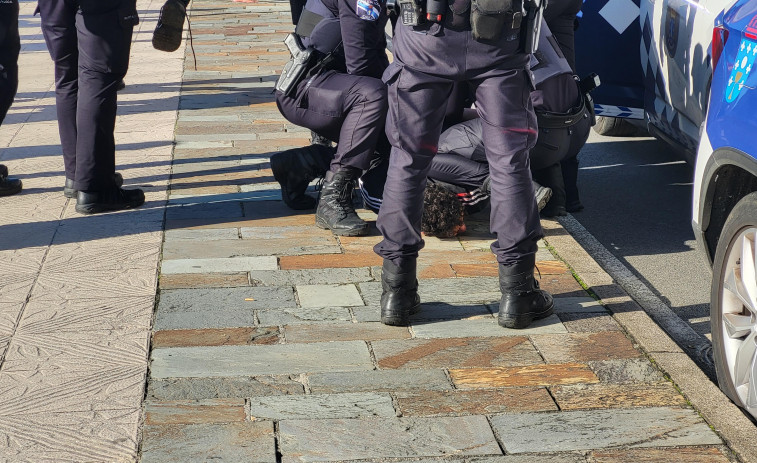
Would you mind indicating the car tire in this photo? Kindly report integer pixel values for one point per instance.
(733, 305)
(616, 127)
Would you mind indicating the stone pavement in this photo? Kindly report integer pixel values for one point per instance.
(265, 343)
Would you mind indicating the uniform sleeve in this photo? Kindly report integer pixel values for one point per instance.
(362, 23)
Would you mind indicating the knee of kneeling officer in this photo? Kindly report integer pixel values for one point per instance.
(374, 93)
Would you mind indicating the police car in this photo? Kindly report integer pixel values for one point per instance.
(725, 201)
(654, 62)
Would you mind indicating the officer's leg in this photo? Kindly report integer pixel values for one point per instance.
(364, 106)
(9, 47)
(569, 165)
(509, 130)
(414, 124)
(59, 30)
(104, 40)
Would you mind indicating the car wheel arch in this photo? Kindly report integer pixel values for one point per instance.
(728, 177)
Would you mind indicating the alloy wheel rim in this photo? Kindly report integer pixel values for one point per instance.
(739, 316)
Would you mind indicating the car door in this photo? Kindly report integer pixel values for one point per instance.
(675, 54)
(607, 43)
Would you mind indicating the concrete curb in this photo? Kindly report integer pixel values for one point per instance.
(736, 429)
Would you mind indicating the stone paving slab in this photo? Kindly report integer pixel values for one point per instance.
(227, 387)
(217, 308)
(576, 430)
(456, 353)
(249, 442)
(200, 362)
(379, 381)
(219, 265)
(336, 440)
(322, 406)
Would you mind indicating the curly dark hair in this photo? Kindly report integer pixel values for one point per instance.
(442, 212)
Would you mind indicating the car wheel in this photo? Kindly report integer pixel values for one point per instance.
(733, 305)
(615, 127)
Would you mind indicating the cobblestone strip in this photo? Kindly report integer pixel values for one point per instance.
(267, 344)
(76, 292)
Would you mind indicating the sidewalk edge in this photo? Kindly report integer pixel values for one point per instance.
(721, 414)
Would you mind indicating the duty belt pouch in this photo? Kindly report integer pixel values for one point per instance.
(488, 18)
(297, 67)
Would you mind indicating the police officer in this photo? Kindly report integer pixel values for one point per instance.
(479, 42)
(10, 45)
(340, 97)
(89, 41)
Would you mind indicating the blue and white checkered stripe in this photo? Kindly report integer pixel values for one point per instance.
(618, 111)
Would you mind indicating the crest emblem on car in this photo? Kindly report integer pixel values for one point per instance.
(742, 67)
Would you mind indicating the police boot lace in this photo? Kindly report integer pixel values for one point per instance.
(336, 211)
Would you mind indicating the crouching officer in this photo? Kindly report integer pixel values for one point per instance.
(486, 43)
(332, 86)
(89, 42)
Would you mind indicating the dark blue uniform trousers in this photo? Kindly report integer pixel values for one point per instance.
(10, 44)
(89, 41)
(429, 60)
(345, 108)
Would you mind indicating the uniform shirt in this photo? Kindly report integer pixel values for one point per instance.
(359, 24)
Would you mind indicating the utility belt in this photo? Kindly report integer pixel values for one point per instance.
(550, 120)
(487, 19)
(304, 62)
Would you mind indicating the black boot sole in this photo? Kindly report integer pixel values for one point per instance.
(521, 321)
(343, 231)
(168, 36)
(303, 202)
(402, 319)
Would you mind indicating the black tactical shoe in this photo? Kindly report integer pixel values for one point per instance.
(522, 301)
(294, 169)
(335, 209)
(8, 186)
(543, 194)
(70, 192)
(399, 298)
(112, 199)
(168, 32)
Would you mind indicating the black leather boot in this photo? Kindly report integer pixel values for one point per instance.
(522, 301)
(400, 297)
(8, 186)
(542, 194)
(112, 198)
(335, 209)
(552, 177)
(170, 27)
(70, 192)
(294, 170)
